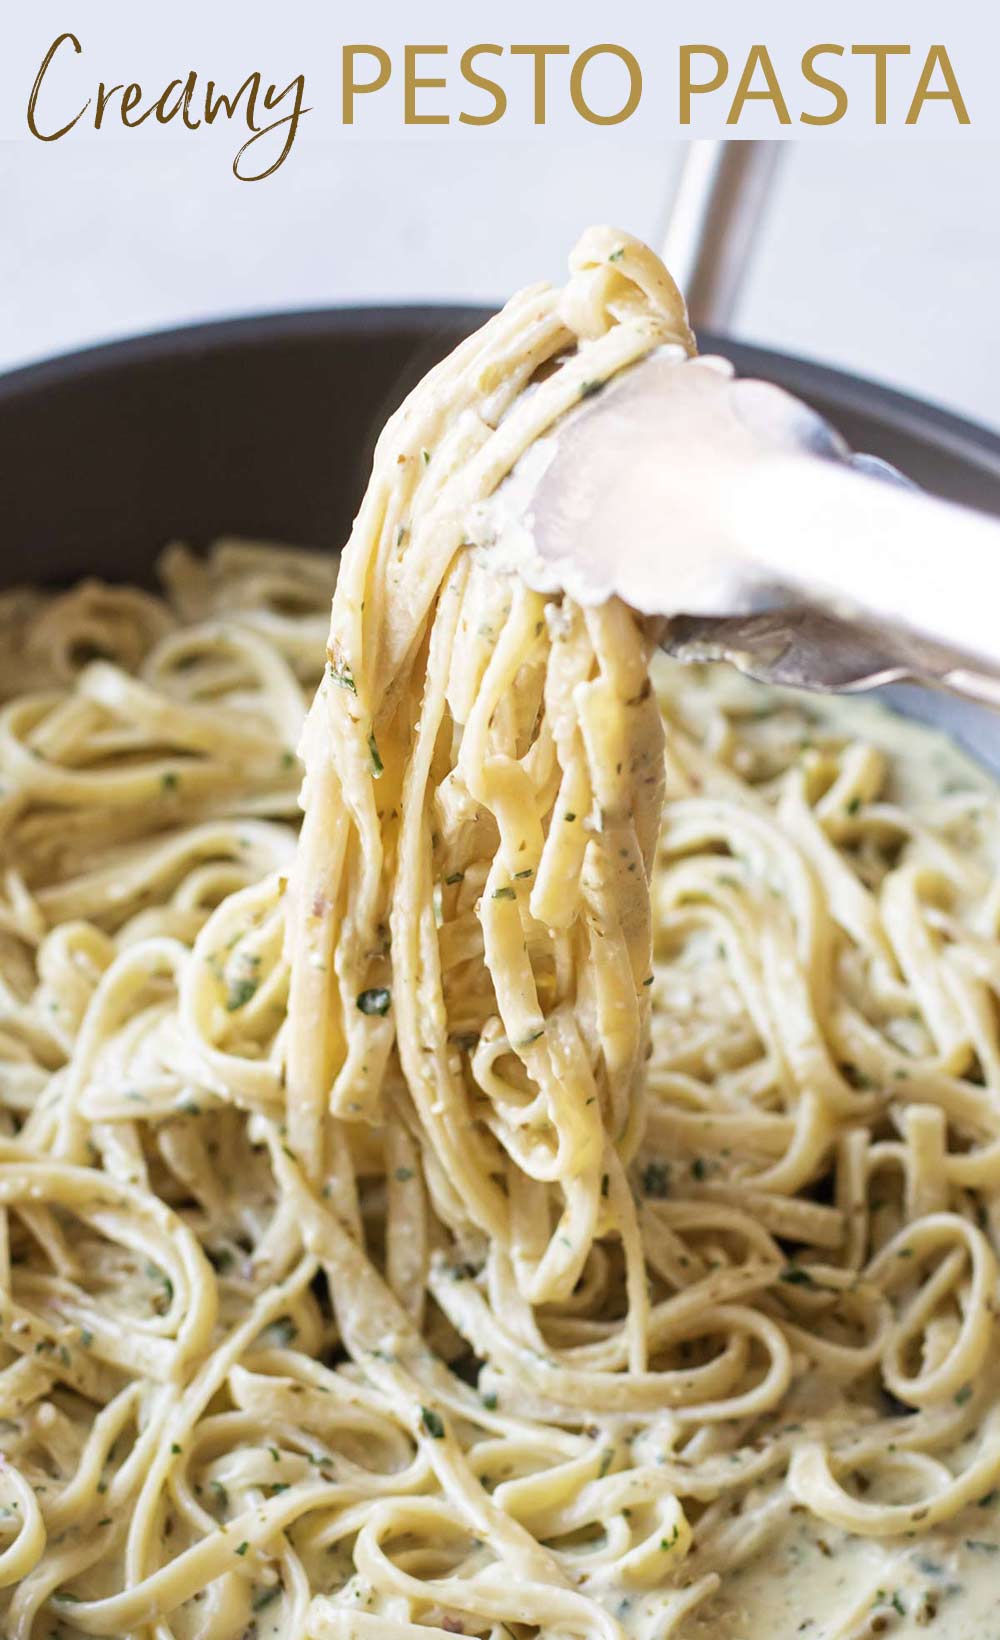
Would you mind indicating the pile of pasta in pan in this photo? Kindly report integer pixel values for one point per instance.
(554, 1192)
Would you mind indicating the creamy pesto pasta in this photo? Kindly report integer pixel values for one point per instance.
(555, 1191)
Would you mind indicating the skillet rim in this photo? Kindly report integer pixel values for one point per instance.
(970, 440)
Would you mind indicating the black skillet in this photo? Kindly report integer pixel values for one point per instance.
(264, 427)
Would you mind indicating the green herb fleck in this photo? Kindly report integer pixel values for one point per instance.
(240, 993)
(340, 673)
(375, 1000)
(796, 1277)
(433, 1424)
(656, 1180)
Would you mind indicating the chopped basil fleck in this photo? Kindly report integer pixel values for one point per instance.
(656, 1180)
(240, 993)
(340, 673)
(375, 1000)
(796, 1277)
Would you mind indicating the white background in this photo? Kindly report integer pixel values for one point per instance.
(880, 256)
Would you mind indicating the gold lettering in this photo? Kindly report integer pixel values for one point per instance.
(470, 74)
(540, 55)
(881, 55)
(937, 57)
(839, 108)
(689, 87)
(412, 85)
(634, 78)
(758, 56)
(350, 87)
(52, 136)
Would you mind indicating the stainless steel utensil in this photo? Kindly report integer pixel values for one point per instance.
(738, 514)
(732, 510)
(715, 220)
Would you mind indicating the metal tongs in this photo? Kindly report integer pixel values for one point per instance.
(738, 515)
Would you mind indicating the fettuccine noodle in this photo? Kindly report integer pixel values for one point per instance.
(555, 1191)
